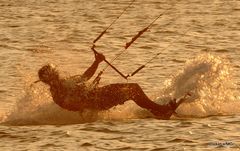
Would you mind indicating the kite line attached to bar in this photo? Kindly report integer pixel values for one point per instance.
(128, 44)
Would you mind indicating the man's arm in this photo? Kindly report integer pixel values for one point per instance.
(92, 69)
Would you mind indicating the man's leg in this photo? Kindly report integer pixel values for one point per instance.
(114, 94)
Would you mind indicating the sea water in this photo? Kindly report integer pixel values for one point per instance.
(198, 46)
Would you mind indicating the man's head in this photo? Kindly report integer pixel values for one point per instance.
(48, 74)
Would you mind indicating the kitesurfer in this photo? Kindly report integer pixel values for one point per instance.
(76, 94)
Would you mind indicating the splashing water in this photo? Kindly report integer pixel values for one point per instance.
(207, 78)
(36, 107)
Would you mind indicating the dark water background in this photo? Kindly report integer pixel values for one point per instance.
(34, 33)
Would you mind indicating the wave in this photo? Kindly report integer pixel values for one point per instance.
(207, 78)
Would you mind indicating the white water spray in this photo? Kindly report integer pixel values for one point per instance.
(207, 78)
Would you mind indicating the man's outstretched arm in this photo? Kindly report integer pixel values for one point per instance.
(92, 69)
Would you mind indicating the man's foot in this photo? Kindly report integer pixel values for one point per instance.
(161, 115)
(173, 105)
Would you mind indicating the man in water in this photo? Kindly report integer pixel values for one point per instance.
(74, 94)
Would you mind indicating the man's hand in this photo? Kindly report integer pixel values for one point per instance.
(99, 57)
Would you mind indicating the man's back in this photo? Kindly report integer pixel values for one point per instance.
(70, 93)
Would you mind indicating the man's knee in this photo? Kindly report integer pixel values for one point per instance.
(135, 86)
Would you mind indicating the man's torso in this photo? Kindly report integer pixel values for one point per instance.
(73, 94)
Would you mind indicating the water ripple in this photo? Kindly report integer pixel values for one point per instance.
(37, 32)
(180, 140)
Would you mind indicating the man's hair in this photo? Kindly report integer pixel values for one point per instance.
(48, 73)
